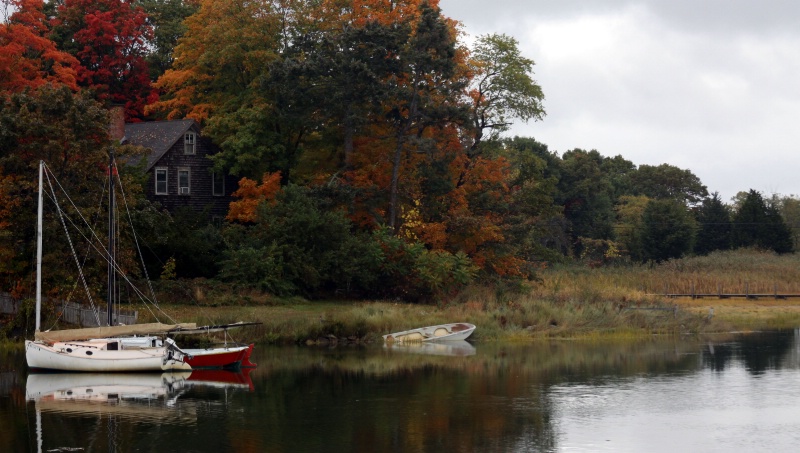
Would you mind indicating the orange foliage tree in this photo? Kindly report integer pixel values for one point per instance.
(250, 195)
(227, 46)
(28, 58)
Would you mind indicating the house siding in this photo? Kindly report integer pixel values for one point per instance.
(199, 166)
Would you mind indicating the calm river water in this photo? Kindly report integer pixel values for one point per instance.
(735, 393)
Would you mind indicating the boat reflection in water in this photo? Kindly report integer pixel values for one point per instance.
(222, 379)
(125, 389)
(452, 348)
(150, 398)
(128, 395)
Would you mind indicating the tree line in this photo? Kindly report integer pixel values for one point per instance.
(369, 142)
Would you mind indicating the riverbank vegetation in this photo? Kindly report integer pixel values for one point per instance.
(569, 301)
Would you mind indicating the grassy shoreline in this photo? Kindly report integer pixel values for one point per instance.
(524, 319)
(569, 302)
(325, 322)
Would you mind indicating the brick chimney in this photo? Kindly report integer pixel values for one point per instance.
(116, 128)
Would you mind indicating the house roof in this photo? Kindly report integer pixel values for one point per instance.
(158, 136)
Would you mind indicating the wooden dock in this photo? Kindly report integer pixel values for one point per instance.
(775, 294)
(730, 296)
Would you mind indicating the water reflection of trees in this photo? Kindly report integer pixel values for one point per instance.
(758, 352)
(496, 400)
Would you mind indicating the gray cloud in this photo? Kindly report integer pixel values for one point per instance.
(708, 85)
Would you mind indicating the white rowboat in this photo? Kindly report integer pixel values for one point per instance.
(443, 332)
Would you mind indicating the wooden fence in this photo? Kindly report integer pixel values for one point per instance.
(8, 305)
(74, 313)
(776, 293)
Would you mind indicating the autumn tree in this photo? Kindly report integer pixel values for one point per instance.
(250, 194)
(221, 65)
(28, 58)
(69, 132)
(220, 59)
(364, 102)
(422, 95)
(109, 38)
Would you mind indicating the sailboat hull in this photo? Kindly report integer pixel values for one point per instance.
(84, 357)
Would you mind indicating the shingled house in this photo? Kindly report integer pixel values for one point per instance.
(179, 171)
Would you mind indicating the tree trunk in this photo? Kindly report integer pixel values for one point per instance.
(398, 152)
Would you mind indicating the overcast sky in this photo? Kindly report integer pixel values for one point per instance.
(712, 86)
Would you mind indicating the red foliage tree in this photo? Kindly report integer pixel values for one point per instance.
(109, 39)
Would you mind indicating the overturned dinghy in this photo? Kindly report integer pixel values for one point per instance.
(443, 332)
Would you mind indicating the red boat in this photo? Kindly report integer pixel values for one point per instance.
(227, 357)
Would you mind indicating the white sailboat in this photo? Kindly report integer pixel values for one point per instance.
(94, 349)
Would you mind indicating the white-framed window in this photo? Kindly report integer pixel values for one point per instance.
(184, 181)
(217, 184)
(161, 180)
(188, 143)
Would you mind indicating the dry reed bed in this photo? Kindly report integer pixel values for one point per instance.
(569, 301)
(741, 271)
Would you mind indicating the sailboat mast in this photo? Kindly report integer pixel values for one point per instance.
(39, 251)
(111, 234)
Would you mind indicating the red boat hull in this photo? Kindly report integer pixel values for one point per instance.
(215, 358)
(246, 363)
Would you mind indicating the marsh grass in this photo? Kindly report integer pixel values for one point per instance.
(523, 318)
(568, 301)
(741, 271)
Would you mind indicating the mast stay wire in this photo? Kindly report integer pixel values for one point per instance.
(138, 248)
(101, 250)
(72, 248)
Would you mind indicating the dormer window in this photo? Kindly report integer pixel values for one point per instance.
(188, 143)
